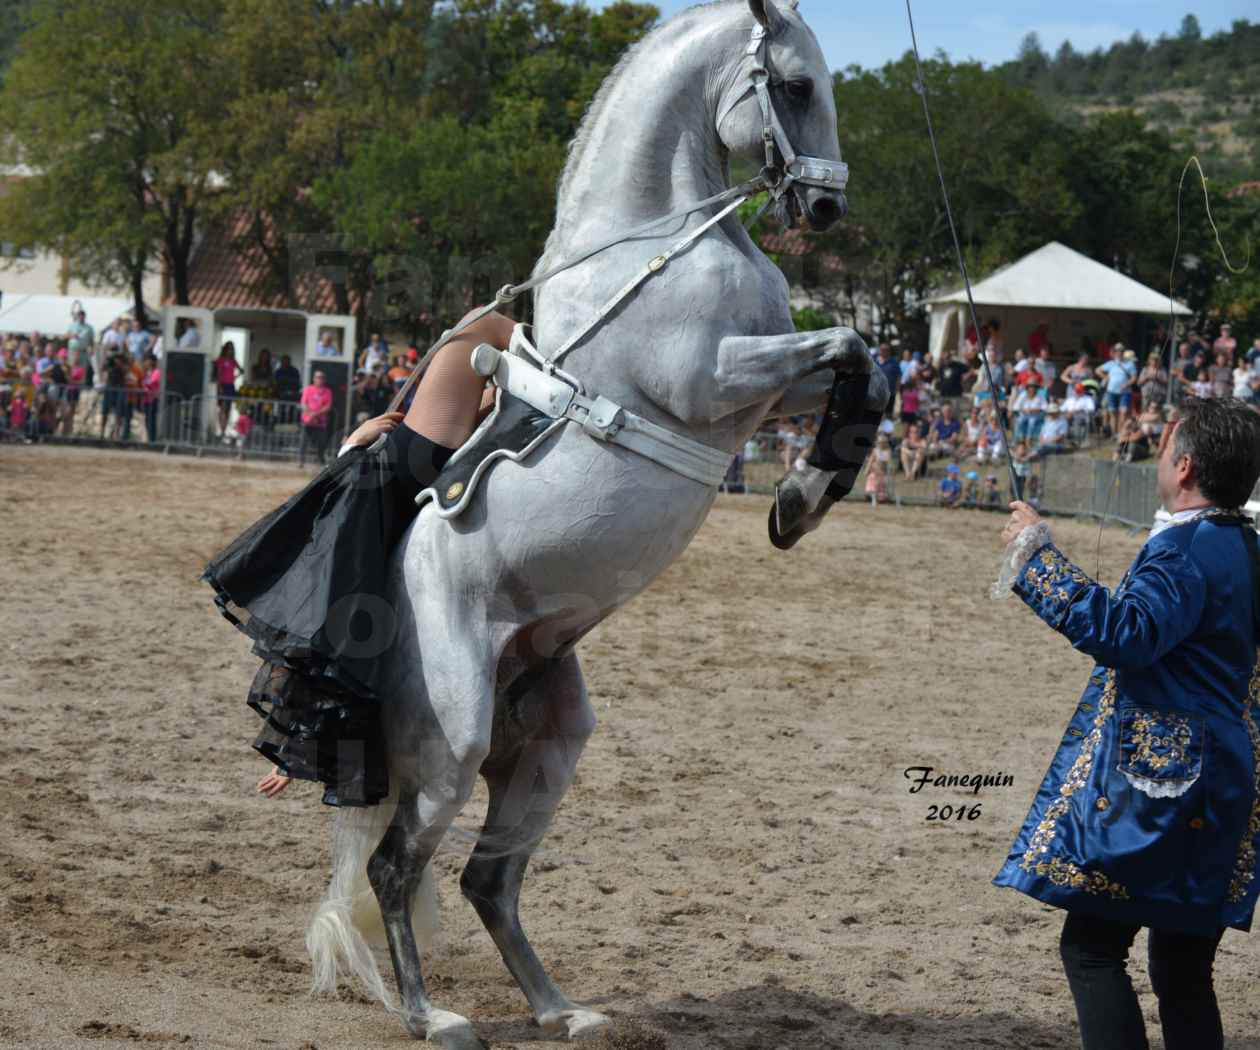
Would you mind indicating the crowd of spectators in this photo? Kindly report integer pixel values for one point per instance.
(1105, 401)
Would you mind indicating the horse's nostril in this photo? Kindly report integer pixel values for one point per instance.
(828, 210)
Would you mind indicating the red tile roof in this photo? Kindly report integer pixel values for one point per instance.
(221, 276)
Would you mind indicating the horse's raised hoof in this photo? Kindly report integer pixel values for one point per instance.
(791, 520)
(574, 1023)
(452, 1032)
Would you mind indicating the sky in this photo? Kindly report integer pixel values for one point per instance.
(869, 34)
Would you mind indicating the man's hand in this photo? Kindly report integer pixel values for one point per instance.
(1022, 515)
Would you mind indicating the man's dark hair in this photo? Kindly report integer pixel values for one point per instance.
(1222, 438)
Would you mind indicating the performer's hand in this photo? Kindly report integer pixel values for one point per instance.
(1022, 515)
(273, 784)
(374, 428)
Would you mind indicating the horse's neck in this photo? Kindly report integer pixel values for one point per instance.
(651, 147)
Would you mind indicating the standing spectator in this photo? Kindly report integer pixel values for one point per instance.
(1222, 374)
(78, 380)
(317, 403)
(909, 368)
(139, 342)
(1039, 340)
(950, 493)
(1226, 344)
(288, 380)
(1253, 355)
(1079, 372)
(115, 336)
(1183, 373)
(151, 385)
(82, 336)
(1242, 381)
(980, 394)
(1119, 389)
(1023, 462)
(374, 355)
(878, 471)
(995, 340)
(1045, 366)
(398, 374)
(887, 364)
(114, 402)
(226, 370)
(953, 374)
(910, 402)
(1153, 382)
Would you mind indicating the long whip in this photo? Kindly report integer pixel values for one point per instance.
(921, 87)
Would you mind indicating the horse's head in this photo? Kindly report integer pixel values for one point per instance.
(777, 105)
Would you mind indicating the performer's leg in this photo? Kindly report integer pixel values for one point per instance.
(449, 396)
(1181, 974)
(1094, 953)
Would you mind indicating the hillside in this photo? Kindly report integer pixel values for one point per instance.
(1204, 91)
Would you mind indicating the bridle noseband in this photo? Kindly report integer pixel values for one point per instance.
(785, 167)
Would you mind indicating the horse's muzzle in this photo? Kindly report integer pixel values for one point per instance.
(823, 208)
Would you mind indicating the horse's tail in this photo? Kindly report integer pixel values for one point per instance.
(348, 922)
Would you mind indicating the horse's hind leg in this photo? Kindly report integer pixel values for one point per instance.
(437, 779)
(547, 726)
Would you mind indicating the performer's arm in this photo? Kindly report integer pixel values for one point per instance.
(1160, 605)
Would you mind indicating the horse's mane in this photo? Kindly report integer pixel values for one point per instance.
(595, 109)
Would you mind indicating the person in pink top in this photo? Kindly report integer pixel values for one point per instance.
(78, 376)
(151, 385)
(226, 370)
(317, 403)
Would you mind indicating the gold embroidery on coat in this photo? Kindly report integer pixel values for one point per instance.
(1035, 857)
(1065, 873)
(1047, 581)
(1245, 862)
(1143, 733)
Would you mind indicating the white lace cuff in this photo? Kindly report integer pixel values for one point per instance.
(1018, 554)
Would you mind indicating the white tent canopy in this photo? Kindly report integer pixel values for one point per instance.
(1055, 277)
(1077, 297)
(50, 314)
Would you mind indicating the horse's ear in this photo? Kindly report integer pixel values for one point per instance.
(767, 14)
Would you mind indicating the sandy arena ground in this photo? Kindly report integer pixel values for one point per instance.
(739, 866)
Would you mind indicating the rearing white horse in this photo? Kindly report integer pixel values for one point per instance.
(484, 679)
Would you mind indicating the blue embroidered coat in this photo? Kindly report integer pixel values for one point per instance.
(1150, 812)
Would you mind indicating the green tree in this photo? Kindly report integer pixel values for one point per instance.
(1190, 30)
(13, 19)
(1004, 159)
(114, 138)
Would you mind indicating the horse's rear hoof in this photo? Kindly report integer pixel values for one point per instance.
(452, 1032)
(575, 1024)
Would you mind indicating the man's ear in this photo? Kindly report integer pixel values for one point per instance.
(767, 14)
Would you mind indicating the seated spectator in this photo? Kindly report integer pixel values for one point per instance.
(949, 493)
(1054, 440)
(1079, 408)
(1152, 423)
(943, 437)
(973, 427)
(990, 448)
(1029, 405)
(1132, 446)
(399, 372)
(913, 453)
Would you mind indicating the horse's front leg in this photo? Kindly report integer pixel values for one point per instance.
(858, 398)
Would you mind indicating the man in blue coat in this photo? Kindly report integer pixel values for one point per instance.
(1150, 812)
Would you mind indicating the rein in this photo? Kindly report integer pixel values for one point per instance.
(784, 169)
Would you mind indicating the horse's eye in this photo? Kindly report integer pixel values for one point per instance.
(800, 90)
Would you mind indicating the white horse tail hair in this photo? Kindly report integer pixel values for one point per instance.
(348, 923)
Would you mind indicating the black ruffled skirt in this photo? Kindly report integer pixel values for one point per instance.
(307, 585)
